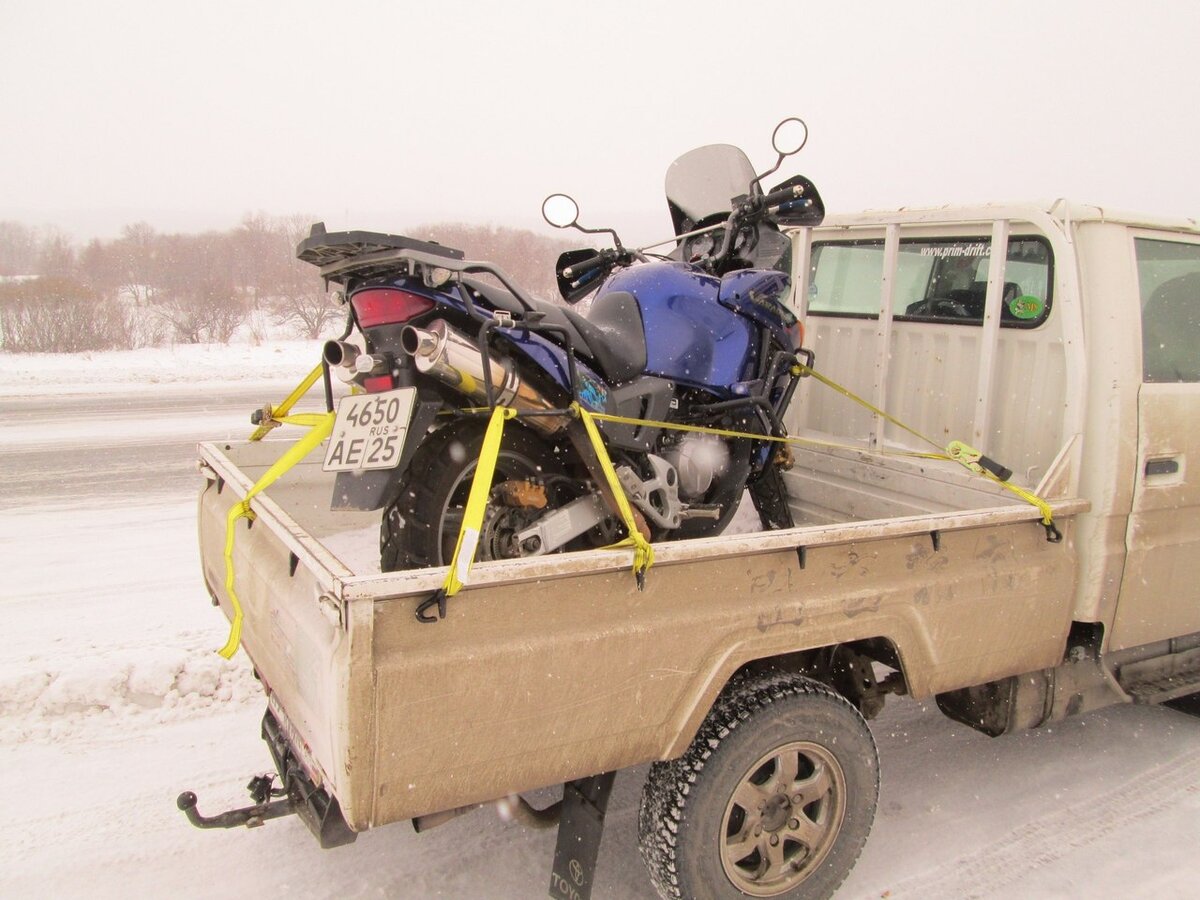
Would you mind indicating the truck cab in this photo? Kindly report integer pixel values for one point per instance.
(1062, 338)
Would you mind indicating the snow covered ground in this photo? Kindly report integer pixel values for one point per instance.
(113, 700)
(149, 369)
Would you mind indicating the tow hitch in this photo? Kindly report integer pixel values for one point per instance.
(251, 816)
(296, 795)
(579, 816)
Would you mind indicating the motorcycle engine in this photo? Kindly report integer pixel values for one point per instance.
(699, 459)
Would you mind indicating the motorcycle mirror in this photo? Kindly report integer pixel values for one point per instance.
(560, 210)
(789, 136)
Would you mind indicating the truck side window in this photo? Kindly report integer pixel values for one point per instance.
(1169, 280)
(942, 280)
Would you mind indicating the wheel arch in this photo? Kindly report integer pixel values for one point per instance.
(845, 666)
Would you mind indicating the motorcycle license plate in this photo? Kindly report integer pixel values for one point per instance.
(369, 431)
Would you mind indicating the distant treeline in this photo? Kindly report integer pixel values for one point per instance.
(147, 288)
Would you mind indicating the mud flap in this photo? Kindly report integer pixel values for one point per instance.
(580, 829)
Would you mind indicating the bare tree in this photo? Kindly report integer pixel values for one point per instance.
(300, 296)
(56, 257)
(98, 268)
(256, 249)
(58, 315)
(18, 249)
(197, 296)
(308, 313)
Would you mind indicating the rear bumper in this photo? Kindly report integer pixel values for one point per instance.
(319, 809)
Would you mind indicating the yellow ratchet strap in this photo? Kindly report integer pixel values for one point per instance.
(273, 415)
(459, 571)
(468, 536)
(643, 553)
(969, 457)
(955, 451)
(320, 425)
(846, 392)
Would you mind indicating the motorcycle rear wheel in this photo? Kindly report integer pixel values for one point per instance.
(420, 527)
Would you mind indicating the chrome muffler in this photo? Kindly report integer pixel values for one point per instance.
(339, 354)
(453, 359)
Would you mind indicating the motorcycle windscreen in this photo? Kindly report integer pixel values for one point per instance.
(702, 182)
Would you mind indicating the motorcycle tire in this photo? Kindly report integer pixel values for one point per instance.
(420, 527)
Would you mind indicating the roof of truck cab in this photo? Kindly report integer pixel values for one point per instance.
(1062, 211)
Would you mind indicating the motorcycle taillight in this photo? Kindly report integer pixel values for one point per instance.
(387, 306)
(377, 384)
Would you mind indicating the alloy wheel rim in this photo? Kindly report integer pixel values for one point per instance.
(782, 819)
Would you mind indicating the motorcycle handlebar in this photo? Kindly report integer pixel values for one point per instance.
(783, 195)
(748, 211)
(573, 272)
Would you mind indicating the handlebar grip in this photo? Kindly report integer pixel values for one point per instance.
(783, 195)
(574, 271)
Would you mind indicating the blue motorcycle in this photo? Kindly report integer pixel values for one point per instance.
(700, 336)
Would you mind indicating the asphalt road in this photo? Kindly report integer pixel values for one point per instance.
(85, 447)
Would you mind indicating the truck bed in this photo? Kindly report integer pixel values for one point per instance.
(553, 668)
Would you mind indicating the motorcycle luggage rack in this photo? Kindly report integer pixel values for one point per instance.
(340, 254)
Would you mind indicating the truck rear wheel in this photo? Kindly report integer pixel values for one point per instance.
(774, 798)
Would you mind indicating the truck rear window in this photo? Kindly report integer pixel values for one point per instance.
(943, 280)
(1169, 280)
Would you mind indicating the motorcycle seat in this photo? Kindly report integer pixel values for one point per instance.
(611, 335)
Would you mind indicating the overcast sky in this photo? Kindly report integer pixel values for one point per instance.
(386, 115)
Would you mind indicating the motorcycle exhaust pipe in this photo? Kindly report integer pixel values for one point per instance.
(453, 359)
(339, 354)
(345, 356)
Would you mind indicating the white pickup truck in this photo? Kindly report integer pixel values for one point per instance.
(1063, 340)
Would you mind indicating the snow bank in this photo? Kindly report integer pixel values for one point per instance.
(42, 699)
(150, 368)
(108, 622)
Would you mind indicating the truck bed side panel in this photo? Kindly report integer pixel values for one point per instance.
(585, 674)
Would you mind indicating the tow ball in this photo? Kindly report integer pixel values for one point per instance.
(261, 791)
(297, 794)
